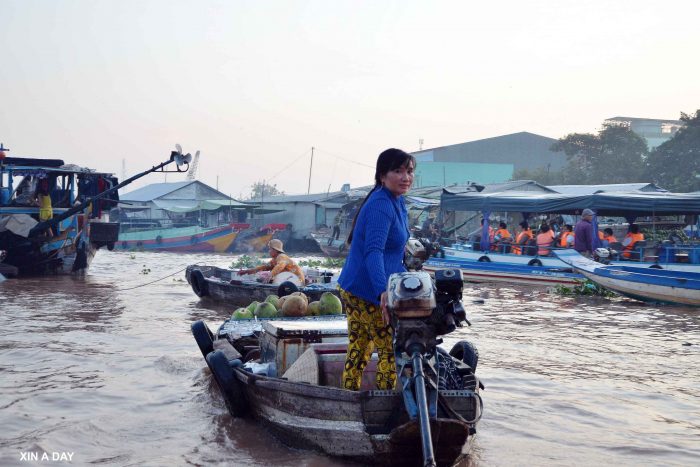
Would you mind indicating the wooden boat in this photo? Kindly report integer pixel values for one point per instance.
(251, 241)
(294, 389)
(651, 284)
(182, 239)
(227, 286)
(67, 242)
(335, 248)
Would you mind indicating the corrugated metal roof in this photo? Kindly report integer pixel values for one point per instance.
(612, 187)
(310, 198)
(516, 185)
(154, 190)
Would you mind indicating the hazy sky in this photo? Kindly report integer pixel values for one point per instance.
(255, 84)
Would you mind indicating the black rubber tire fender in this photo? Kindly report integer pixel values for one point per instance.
(484, 259)
(466, 352)
(534, 262)
(159, 239)
(286, 288)
(656, 266)
(199, 283)
(232, 389)
(204, 337)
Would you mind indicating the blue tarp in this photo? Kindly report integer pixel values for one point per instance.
(623, 204)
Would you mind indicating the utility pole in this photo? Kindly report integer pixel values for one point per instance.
(420, 144)
(308, 190)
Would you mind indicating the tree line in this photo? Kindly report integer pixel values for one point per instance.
(618, 155)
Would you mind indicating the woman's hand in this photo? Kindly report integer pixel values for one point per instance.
(385, 311)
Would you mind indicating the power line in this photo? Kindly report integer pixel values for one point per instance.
(345, 159)
(289, 165)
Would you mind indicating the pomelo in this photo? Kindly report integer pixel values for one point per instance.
(265, 310)
(294, 305)
(313, 309)
(330, 304)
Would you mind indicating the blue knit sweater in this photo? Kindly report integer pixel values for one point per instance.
(377, 246)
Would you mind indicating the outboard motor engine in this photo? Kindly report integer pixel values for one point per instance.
(421, 312)
(602, 255)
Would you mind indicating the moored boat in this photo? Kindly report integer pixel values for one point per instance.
(651, 284)
(329, 245)
(182, 239)
(252, 241)
(63, 234)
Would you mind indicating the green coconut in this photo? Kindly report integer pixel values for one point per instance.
(242, 313)
(330, 304)
(265, 310)
(294, 305)
(274, 299)
(252, 306)
(313, 309)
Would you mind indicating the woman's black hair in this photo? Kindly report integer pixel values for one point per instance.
(608, 231)
(524, 225)
(544, 228)
(388, 160)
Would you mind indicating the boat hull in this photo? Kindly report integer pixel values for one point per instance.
(465, 253)
(224, 285)
(475, 271)
(652, 285)
(648, 292)
(69, 253)
(182, 239)
(307, 409)
(339, 423)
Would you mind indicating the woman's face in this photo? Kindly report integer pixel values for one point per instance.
(398, 181)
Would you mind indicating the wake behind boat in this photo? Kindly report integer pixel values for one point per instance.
(651, 284)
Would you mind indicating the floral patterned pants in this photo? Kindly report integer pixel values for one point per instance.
(366, 331)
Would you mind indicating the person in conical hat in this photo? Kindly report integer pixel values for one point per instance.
(280, 263)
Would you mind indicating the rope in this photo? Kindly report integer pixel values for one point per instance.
(157, 280)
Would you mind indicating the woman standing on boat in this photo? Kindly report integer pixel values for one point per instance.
(377, 239)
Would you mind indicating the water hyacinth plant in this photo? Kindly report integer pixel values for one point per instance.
(584, 287)
(245, 262)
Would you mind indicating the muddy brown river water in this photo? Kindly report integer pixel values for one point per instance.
(110, 374)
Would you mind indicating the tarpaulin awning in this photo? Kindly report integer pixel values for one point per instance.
(609, 204)
(18, 224)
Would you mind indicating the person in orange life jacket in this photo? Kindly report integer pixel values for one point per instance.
(544, 240)
(502, 236)
(567, 237)
(631, 239)
(524, 236)
(608, 237)
(280, 262)
(502, 233)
